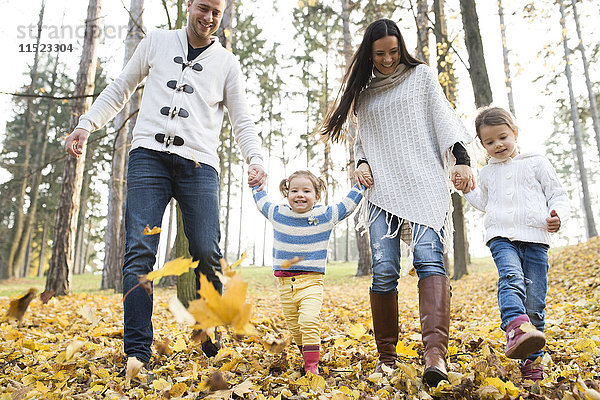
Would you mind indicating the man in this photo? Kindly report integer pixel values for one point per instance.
(190, 77)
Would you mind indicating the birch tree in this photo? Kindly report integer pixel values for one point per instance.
(590, 225)
(507, 77)
(586, 73)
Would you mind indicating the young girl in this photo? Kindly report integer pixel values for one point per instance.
(302, 229)
(523, 202)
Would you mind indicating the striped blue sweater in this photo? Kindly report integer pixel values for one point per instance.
(304, 235)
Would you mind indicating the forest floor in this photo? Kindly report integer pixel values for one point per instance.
(71, 347)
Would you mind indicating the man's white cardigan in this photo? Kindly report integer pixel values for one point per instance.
(517, 195)
(194, 117)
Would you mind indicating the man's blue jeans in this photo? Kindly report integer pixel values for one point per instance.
(428, 255)
(522, 281)
(153, 178)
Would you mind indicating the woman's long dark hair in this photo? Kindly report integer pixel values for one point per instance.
(358, 74)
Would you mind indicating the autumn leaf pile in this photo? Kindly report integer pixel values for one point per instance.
(72, 346)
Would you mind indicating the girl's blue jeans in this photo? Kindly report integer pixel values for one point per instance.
(428, 254)
(153, 178)
(522, 281)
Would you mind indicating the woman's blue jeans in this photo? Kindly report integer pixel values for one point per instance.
(153, 178)
(428, 254)
(522, 281)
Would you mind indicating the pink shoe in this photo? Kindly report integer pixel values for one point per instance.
(310, 354)
(521, 343)
(532, 370)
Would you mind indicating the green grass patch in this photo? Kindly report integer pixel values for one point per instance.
(258, 278)
(87, 283)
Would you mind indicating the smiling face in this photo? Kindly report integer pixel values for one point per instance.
(203, 20)
(302, 195)
(499, 141)
(385, 54)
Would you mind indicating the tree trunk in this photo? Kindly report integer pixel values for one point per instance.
(477, 67)
(81, 225)
(61, 263)
(508, 79)
(587, 204)
(172, 220)
(362, 240)
(460, 237)
(242, 185)
(422, 50)
(116, 193)
(228, 200)
(43, 245)
(18, 232)
(186, 283)
(41, 143)
(224, 33)
(588, 81)
(445, 68)
(27, 255)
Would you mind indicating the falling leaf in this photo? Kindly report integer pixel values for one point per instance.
(217, 382)
(199, 335)
(144, 284)
(179, 311)
(46, 296)
(73, 348)
(275, 345)
(228, 270)
(178, 266)
(162, 348)
(133, 368)
(280, 365)
(89, 315)
(240, 261)
(18, 306)
(230, 309)
(154, 231)
(288, 263)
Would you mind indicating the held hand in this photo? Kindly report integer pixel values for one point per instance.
(363, 176)
(257, 176)
(553, 222)
(75, 142)
(462, 178)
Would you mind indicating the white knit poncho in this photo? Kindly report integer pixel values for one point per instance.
(406, 132)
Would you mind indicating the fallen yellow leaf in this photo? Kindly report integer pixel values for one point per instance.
(288, 263)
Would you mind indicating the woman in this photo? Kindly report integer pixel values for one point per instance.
(408, 138)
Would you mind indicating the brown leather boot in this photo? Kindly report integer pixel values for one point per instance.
(434, 310)
(384, 309)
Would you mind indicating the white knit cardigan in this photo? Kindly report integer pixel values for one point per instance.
(405, 133)
(517, 195)
(218, 84)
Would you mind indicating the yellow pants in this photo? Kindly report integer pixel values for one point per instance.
(301, 298)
